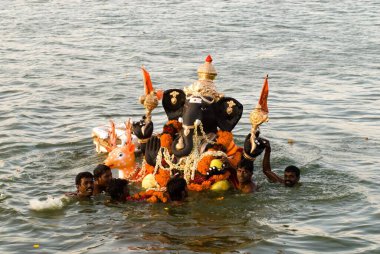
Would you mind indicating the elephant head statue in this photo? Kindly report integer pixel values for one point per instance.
(224, 114)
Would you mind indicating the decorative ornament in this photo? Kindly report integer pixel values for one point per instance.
(174, 97)
(151, 97)
(259, 114)
(230, 107)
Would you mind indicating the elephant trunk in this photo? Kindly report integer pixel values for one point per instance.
(183, 144)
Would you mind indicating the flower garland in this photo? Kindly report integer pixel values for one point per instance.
(204, 164)
(162, 177)
(166, 141)
(172, 127)
(224, 138)
(206, 185)
(151, 196)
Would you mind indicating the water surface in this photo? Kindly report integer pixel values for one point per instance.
(66, 67)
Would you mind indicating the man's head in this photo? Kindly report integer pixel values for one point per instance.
(244, 171)
(118, 189)
(85, 184)
(177, 189)
(291, 176)
(102, 175)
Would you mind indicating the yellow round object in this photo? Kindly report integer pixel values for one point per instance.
(149, 182)
(221, 186)
(216, 163)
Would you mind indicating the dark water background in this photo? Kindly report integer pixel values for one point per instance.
(68, 66)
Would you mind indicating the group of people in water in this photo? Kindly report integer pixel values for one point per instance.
(195, 150)
(101, 181)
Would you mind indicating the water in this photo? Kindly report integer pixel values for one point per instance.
(66, 67)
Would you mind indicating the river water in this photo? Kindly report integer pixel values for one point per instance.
(69, 66)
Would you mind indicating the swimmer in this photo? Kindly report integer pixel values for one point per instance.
(244, 174)
(291, 173)
(102, 177)
(84, 182)
(177, 189)
(118, 190)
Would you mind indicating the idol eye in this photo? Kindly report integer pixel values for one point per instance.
(120, 155)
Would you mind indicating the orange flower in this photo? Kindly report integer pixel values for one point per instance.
(235, 159)
(224, 138)
(166, 141)
(152, 196)
(162, 177)
(177, 125)
(199, 187)
(204, 164)
(149, 168)
(152, 199)
(221, 177)
(172, 127)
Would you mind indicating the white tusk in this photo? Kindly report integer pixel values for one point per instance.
(180, 120)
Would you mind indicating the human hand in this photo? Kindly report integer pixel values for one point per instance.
(152, 149)
(142, 129)
(266, 143)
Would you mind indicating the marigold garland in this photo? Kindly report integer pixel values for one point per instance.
(166, 141)
(204, 164)
(172, 127)
(149, 169)
(200, 187)
(162, 177)
(221, 177)
(224, 138)
(235, 159)
(151, 196)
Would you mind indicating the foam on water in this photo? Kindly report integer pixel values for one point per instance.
(50, 203)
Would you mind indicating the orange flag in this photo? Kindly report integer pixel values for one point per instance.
(147, 82)
(264, 96)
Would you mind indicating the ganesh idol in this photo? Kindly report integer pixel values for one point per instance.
(197, 139)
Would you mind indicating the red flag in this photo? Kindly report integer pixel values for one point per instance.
(264, 96)
(147, 82)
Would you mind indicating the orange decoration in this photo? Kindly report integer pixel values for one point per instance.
(166, 141)
(151, 196)
(200, 187)
(149, 168)
(264, 96)
(224, 138)
(235, 159)
(221, 177)
(162, 177)
(204, 164)
(148, 87)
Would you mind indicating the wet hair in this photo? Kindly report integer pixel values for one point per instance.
(116, 188)
(247, 164)
(81, 175)
(100, 170)
(293, 169)
(175, 187)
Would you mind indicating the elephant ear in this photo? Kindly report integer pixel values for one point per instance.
(228, 112)
(173, 101)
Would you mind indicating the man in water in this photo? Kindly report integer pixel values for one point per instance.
(84, 182)
(244, 174)
(177, 189)
(102, 177)
(291, 173)
(118, 190)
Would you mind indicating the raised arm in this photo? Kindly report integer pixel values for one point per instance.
(267, 170)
